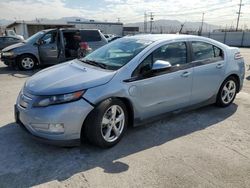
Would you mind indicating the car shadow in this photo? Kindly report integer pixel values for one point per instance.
(25, 162)
(17, 73)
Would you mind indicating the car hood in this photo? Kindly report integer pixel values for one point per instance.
(14, 46)
(66, 78)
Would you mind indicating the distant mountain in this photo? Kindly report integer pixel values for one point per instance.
(173, 26)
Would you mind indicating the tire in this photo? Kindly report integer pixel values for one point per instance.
(226, 97)
(99, 126)
(26, 62)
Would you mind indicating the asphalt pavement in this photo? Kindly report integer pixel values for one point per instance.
(207, 147)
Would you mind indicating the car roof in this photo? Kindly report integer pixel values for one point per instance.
(169, 37)
(70, 29)
(164, 37)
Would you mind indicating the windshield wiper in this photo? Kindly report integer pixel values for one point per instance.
(94, 63)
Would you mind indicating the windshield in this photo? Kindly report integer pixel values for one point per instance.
(33, 39)
(117, 53)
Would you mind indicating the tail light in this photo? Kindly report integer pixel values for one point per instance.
(84, 46)
(238, 56)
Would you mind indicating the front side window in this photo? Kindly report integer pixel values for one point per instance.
(203, 51)
(49, 38)
(34, 38)
(174, 53)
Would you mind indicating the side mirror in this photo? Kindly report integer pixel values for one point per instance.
(39, 42)
(160, 65)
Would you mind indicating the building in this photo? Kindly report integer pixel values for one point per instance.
(130, 30)
(115, 28)
(28, 28)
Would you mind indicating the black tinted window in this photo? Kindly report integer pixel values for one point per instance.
(90, 36)
(202, 50)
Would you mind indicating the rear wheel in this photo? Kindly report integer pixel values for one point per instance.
(107, 123)
(227, 92)
(26, 62)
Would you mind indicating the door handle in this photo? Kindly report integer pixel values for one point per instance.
(219, 66)
(185, 74)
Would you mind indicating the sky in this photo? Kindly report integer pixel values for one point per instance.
(218, 12)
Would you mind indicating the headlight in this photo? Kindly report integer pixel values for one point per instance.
(7, 53)
(57, 99)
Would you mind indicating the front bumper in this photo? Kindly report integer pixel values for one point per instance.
(9, 60)
(36, 121)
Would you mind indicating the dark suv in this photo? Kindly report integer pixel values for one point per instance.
(51, 47)
(7, 41)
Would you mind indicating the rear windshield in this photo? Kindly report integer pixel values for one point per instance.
(90, 36)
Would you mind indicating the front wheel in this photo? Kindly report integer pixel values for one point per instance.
(26, 62)
(227, 92)
(107, 123)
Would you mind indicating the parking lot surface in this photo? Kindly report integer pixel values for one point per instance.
(207, 147)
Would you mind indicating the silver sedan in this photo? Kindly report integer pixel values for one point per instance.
(126, 83)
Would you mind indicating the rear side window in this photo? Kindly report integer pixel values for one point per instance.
(202, 51)
(90, 36)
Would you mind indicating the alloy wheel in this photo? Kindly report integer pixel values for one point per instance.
(228, 92)
(112, 123)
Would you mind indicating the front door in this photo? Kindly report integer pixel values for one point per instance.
(166, 90)
(48, 48)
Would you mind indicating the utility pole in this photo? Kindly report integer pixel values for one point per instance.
(145, 22)
(182, 25)
(202, 22)
(151, 21)
(118, 20)
(239, 13)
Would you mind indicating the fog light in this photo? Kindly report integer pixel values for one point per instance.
(56, 127)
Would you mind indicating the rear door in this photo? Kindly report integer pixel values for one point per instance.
(48, 48)
(209, 64)
(163, 91)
